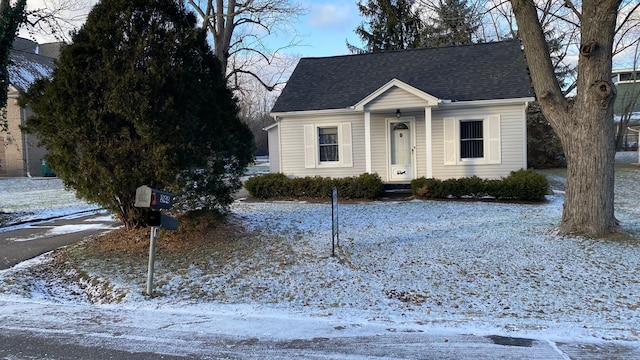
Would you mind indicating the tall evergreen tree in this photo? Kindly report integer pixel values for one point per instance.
(392, 25)
(11, 17)
(139, 98)
(454, 23)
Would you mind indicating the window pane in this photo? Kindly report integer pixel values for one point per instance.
(471, 139)
(328, 142)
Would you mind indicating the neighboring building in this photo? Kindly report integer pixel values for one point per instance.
(20, 154)
(627, 104)
(446, 112)
(627, 82)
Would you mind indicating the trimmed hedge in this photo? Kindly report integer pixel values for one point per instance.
(365, 186)
(522, 185)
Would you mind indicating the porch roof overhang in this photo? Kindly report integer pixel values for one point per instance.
(429, 99)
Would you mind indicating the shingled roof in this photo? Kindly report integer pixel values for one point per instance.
(26, 65)
(457, 73)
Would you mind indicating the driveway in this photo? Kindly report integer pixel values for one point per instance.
(25, 242)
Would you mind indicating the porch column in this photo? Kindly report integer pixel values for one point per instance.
(367, 140)
(429, 137)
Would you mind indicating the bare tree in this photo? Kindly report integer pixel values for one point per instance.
(55, 18)
(238, 29)
(255, 103)
(584, 123)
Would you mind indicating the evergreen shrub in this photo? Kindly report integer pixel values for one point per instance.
(521, 185)
(365, 186)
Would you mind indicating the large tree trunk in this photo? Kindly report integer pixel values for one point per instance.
(589, 148)
(585, 123)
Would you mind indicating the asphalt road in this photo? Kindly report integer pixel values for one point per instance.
(31, 330)
(28, 241)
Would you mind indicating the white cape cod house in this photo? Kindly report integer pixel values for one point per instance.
(441, 113)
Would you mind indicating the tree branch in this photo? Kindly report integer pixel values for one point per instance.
(536, 50)
(569, 4)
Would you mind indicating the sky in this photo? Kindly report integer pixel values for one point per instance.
(322, 30)
(328, 26)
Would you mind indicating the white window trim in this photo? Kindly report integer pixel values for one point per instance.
(491, 136)
(312, 146)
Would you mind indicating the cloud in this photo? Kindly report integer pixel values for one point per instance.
(329, 16)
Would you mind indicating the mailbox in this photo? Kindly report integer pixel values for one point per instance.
(151, 198)
(158, 219)
(154, 218)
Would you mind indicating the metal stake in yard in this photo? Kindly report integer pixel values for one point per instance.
(152, 259)
(335, 237)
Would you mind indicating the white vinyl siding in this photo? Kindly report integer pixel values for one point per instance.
(300, 149)
(396, 98)
(379, 153)
(274, 149)
(420, 167)
(504, 136)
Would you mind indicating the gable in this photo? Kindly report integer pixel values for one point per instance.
(487, 71)
(396, 94)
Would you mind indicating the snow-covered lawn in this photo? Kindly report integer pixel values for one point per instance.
(465, 266)
(24, 199)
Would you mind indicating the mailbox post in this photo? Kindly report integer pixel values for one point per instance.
(155, 200)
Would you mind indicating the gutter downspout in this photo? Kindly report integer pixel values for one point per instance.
(25, 142)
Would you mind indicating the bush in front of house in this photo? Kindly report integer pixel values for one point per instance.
(522, 185)
(365, 186)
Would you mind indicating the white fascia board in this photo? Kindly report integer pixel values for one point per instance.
(349, 110)
(430, 99)
(271, 126)
(513, 101)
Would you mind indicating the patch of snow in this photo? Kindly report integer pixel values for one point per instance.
(627, 157)
(31, 199)
(479, 267)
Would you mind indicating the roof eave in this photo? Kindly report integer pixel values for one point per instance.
(491, 102)
(349, 110)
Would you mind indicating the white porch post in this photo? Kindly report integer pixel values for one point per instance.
(367, 140)
(429, 145)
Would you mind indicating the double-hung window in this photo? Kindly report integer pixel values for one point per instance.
(328, 144)
(471, 139)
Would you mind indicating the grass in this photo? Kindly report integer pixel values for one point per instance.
(104, 269)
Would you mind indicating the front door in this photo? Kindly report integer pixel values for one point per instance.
(401, 151)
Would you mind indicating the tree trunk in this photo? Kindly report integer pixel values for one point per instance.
(583, 124)
(590, 152)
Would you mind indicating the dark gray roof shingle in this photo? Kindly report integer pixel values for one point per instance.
(457, 73)
(26, 66)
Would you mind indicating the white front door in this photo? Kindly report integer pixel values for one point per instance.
(401, 151)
